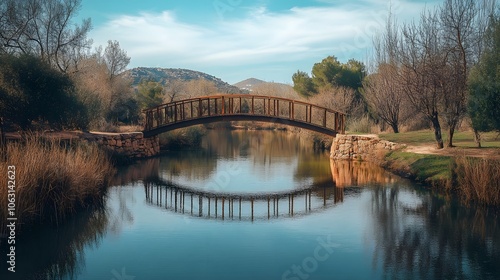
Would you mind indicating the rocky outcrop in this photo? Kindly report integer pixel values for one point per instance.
(132, 145)
(360, 147)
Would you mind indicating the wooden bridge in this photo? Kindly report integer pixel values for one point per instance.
(242, 107)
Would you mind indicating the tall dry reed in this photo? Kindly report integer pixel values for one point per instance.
(477, 180)
(52, 179)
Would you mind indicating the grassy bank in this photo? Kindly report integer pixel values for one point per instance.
(461, 139)
(52, 180)
(456, 171)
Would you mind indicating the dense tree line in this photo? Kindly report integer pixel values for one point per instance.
(442, 68)
(50, 77)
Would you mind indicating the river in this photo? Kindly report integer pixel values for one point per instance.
(263, 205)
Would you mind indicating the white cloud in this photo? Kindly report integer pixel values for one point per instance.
(261, 37)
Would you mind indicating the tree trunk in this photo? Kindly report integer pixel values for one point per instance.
(395, 127)
(451, 132)
(477, 138)
(437, 131)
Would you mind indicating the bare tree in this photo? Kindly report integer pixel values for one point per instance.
(382, 90)
(115, 58)
(336, 98)
(422, 68)
(459, 30)
(385, 96)
(174, 90)
(43, 28)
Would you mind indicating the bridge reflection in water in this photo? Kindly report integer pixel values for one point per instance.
(346, 176)
(242, 207)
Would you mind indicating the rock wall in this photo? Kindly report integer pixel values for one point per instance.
(132, 144)
(360, 147)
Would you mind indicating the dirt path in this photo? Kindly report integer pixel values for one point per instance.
(429, 149)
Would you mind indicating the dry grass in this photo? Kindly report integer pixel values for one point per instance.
(53, 180)
(478, 180)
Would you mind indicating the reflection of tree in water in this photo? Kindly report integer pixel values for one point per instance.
(57, 252)
(263, 146)
(434, 238)
(123, 214)
(314, 165)
(136, 172)
(191, 164)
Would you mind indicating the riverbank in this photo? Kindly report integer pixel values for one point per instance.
(47, 180)
(472, 174)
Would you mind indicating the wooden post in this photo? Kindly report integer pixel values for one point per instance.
(223, 208)
(223, 106)
(310, 113)
(336, 125)
(200, 206)
(277, 206)
(268, 208)
(175, 112)
(252, 105)
(209, 106)
(252, 208)
(216, 111)
(183, 197)
(324, 119)
(175, 201)
(240, 208)
(278, 107)
(192, 116)
(200, 106)
(310, 194)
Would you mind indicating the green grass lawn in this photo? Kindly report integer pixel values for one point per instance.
(424, 167)
(460, 139)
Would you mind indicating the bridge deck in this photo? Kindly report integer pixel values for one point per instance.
(243, 107)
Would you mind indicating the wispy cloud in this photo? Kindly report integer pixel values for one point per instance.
(259, 37)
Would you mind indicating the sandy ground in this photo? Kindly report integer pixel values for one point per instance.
(456, 151)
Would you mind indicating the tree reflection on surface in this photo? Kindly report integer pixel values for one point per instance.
(433, 239)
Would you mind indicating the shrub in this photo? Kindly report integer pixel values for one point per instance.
(53, 179)
(477, 180)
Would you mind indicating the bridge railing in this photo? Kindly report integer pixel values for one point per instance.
(244, 104)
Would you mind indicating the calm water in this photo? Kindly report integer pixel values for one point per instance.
(263, 205)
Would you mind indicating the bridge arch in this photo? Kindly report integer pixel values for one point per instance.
(242, 107)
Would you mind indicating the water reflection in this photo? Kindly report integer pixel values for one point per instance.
(50, 252)
(355, 173)
(249, 207)
(433, 239)
(409, 233)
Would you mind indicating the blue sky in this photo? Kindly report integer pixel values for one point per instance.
(239, 39)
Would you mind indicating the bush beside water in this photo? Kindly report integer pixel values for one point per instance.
(477, 180)
(53, 180)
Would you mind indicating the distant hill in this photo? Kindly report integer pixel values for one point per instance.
(164, 75)
(248, 84)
